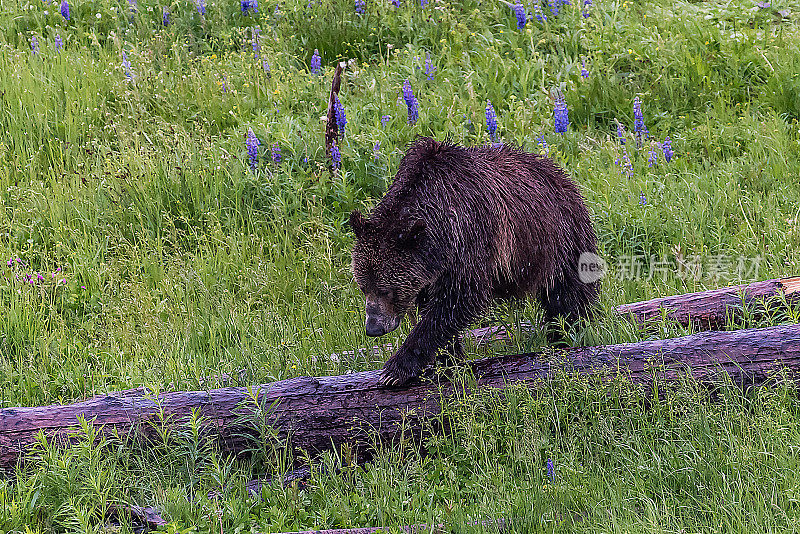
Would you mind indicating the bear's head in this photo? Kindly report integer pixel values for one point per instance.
(390, 268)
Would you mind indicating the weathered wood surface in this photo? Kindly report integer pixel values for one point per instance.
(331, 128)
(707, 310)
(319, 413)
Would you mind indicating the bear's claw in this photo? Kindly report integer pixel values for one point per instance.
(396, 374)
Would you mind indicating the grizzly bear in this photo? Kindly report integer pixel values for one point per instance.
(460, 227)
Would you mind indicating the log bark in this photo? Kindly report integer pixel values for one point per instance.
(709, 310)
(320, 413)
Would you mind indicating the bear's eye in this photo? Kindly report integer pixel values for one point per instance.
(385, 293)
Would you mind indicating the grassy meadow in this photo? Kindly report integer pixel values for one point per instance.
(140, 247)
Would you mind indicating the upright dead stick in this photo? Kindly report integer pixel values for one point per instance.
(322, 413)
(331, 128)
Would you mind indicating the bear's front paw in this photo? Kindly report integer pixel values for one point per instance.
(399, 371)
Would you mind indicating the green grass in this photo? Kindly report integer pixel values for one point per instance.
(182, 266)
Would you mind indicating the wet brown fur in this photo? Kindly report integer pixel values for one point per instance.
(460, 227)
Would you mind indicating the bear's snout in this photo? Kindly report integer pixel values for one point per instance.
(380, 320)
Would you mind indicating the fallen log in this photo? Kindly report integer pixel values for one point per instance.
(708, 310)
(320, 413)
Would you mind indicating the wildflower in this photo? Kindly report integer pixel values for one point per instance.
(336, 155)
(543, 144)
(584, 72)
(423, 3)
(522, 18)
(265, 66)
(34, 45)
(252, 143)
(642, 199)
(316, 63)
(411, 103)
(652, 158)
(59, 42)
(165, 16)
(341, 117)
(65, 9)
(625, 165)
(385, 119)
(376, 150)
(201, 7)
(586, 5)
(256, 42)
(620, 133)
(491, 120)
(560, 114)
(276, 153)
(134, 7)
(361, 6)
(537, 9)
(429, 68)
(247, 5)
(638, 121)
(551, 470)
(666, 148)
(224, 84)
(763, 5)
(127, 66)
(553, 7)
(396, 3)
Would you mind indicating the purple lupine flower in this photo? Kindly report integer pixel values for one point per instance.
(341, 117)
(560, 114)
(65, 9)
(385, 119)
(537, 9)
(276, 153)
(543, 144)
(361, 7)
(625, 165)
(584, 72)
(34, 45)
(522, 17)
(423, 3)
(642, 199)
(652, 158)
(265, 66)
(763, 5)
(316, 63)
(429, 67)
(553, 7)
(336, 155)
(620, 133)
(586, 5)
(396, 3)
(165, 16)
(252, 143)
(376, 150)
(59, 43)
(134, 6)
(256, 42)
(127, 66)
(224, 84)
(666, 148)
(248, 5)
(491, 119)
(551, 470)
(411, 103)
(638, 122)
(201, 7)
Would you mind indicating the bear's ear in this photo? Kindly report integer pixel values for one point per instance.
(412, 233)
(357, 223)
